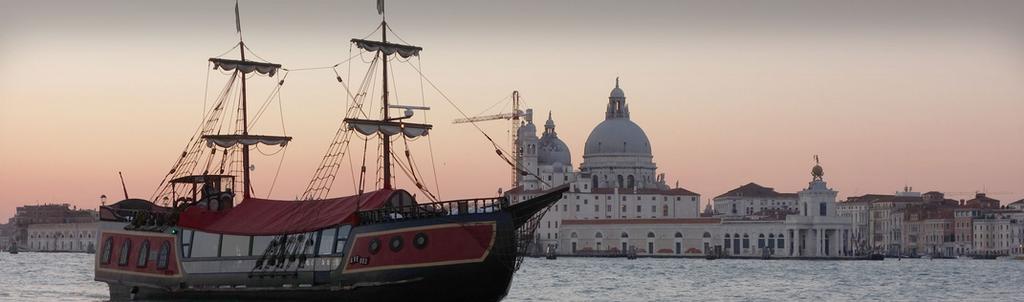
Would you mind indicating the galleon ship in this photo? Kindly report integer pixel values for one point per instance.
(204, 235)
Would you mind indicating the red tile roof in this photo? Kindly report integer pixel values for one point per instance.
(756, 190)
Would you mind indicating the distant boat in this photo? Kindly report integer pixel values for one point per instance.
(550, 253)
(13, 249)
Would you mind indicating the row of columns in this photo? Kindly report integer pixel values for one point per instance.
(818, 242)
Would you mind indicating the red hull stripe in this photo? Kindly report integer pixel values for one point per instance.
(173, 269)
(446, 244)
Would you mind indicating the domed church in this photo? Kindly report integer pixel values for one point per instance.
(618, 203)
(616, 183)
(618, 153)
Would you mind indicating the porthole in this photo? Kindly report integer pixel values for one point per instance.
(374, 246)
(395, 243)
(420, 240)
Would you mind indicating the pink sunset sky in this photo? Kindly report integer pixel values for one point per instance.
(926, 94)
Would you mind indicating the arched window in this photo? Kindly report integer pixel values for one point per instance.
(624, 235)
(108, 248)
(746, 241)
(650, 234)
(599, 235)
(143, 258)
(163, 255)
(630, 182)
(126, 248)
(760, 241)
(781, 242)
(708, 235)
(679, 235)
(621, 183)
(573, 235)
(594, 182)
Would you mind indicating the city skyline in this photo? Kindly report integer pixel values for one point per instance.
(929, 98)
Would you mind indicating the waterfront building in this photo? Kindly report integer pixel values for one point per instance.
(62, 237)
(617, 182)
(618, 202)
(999, 232)
(858, 210)
(6, 238)
(1018, 205)
(886, 222)
(28, 215)
(929, 226)
(754, 200)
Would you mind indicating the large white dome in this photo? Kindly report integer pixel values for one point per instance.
(617, 136)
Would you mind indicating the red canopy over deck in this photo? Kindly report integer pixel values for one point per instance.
(260, 217)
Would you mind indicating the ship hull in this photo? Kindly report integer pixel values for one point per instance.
(477, 266)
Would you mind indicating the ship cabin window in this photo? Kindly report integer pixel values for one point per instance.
(108, 247)
(326, 242)
(342, 237)
(163, 255)
(143, 258)
(126, 248)
(205, 244)
(186, 243)
(260, 244)
(234, 246)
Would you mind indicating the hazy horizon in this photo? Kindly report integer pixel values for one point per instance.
(888, 94)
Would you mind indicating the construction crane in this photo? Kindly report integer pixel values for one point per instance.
(516, 123)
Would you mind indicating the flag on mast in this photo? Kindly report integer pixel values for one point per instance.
(380, 7)
(238, 21)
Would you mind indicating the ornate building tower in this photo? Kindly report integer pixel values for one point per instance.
(528, 143)
(817, 199)
(617, 153)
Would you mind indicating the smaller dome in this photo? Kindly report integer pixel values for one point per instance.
(552, 150)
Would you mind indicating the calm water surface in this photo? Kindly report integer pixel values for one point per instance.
(68, 277)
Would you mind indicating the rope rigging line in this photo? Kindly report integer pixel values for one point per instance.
(412, 168)
(498, 149)
(190, 155)
(273, 183)
(430, 143)
(275, 93)
(322, 67)
(326, 173)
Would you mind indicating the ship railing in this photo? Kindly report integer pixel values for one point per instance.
(435, 209)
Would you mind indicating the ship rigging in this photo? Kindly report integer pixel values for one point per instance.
(315, 248)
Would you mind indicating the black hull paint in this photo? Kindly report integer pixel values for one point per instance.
(486, 280)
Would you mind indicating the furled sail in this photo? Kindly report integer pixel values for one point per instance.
(371, 127)
(229, 140)
(269, 69)
(388, 48)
